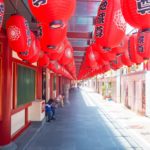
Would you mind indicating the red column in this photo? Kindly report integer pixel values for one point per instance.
(60, 84)
(39, 83)
(5, 123)
(57, 85)
(51, 85)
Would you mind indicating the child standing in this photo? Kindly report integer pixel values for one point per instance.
(48, 111)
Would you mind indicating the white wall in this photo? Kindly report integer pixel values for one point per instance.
(17, 121)
(147, 96)
(35, 111)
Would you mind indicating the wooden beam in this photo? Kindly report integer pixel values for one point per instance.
(83, 35)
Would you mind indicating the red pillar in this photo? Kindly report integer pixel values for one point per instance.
(51, 85)
(57, 85)
(60, 79)
(5, 123)
(39, 83)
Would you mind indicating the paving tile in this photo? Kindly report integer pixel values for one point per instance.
(82, 127)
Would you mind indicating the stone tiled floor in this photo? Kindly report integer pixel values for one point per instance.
(82, 125)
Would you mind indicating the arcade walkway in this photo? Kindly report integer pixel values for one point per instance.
(84, 125)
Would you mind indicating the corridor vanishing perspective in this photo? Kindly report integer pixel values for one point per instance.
(83, 125)
(88, 60)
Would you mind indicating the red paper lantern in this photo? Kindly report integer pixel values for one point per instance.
(2, 9)
(132, 48)
(53, 12)
(55, 67)
(57, 53)
(84, 70)
(18, 33)
(137, 12)
(122, 47)
(31, 52)
(117, 50)
(96, 71)
(116, 64)
(110, 24)
(98, 55)
(71, 68)
(66, 73)
(106, 68)
(143, 43)
(67, 56)
(36, 48)
(90, 58)
(126, 60)
(43, 61)
(107, 54)
(51, 38)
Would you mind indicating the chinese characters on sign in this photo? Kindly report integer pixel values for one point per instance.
(143, 6)
(100, 20)
(99, 31)
(1, 13)
(141, 43)
(28, 34)
(103, 5)
(38, 3)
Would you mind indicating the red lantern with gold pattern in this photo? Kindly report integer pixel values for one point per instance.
(55, 67)
(116, 64)
(18, 33)
(143, 43)
(122, 47)
(36, 48)
(43, 61)
(71, 68)
(137, 12)
(31, 52)
(51, 38)
(98, 55)
(53, 12)
(107, 54)
(57, 53)
(106, 67)
(67, 56)
(110, 24)
(126, 60)
(90, 58)
(132, 48)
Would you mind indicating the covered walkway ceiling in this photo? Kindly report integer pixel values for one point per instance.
(80, 26)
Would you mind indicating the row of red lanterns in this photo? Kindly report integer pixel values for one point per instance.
(53, 17)
(28, 46)
(110, 33)
(94, 59)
